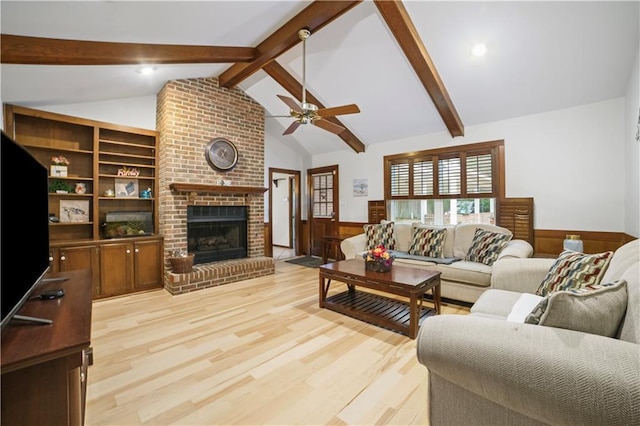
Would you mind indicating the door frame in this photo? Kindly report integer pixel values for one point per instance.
(295, 209)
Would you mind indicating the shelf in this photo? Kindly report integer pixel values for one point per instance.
(216, 189)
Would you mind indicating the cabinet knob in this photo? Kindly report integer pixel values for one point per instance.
(50, 258)
(63, 258)
(137, 250)
(128, 251)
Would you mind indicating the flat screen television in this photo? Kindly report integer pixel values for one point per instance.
(24, 226)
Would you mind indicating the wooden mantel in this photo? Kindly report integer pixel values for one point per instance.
(216, 189)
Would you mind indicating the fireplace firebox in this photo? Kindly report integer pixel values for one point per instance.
(217, 233)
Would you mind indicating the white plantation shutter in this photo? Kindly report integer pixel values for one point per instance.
(449, 176)
(423, 177)
(399, 173)
(479, 174)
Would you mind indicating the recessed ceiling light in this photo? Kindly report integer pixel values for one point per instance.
(146, 70)
(479, 50)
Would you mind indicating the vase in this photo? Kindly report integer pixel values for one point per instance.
(377, 266)
(573, 242)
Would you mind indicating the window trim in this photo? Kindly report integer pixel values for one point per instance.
(495, 148)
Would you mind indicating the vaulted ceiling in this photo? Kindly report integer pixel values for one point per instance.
(405, 64)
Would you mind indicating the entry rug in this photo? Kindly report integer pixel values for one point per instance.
(308, 261)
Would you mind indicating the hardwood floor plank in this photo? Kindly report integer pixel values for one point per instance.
(259, 351)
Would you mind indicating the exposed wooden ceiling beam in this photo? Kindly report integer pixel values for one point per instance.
(314, 17)
(51, 51)
(291, 85)
(400, 24)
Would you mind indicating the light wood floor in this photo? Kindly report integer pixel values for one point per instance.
(254, 352)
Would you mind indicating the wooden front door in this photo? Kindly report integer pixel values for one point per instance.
(323, 205)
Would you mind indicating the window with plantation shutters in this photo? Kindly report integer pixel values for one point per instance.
(457, 172)
(449, 176)
(479, 174)
(399, 173)
(423, 177)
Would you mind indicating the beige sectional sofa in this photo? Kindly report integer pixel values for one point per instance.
(487, 369)
(460, 280)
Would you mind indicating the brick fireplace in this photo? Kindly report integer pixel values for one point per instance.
(190, 113)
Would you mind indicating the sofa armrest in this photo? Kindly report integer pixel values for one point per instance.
(351, 247)
(516, 249)
(553, 375)
(521, 275)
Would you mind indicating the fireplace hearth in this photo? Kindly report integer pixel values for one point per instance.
(217, 233)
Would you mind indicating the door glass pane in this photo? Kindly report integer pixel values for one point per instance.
(323, 195)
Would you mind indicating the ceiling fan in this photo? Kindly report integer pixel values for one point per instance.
(308, 113)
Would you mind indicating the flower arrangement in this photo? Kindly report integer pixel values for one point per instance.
(378, 259)
(60, 160)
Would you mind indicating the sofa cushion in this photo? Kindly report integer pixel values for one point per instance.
(464, 234)
(380, 234)
(449, 239)
(401, 235)
(465, 272)
(574, 270)
(427, 242)
(486, 246)
(595, 309)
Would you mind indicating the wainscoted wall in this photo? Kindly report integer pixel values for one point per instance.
(190, 113)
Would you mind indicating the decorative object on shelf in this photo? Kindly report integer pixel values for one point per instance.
(109, 193)
(145, 193)
(128, 171)
(573, 243)
(53, 218)
(181, 262)
(221, 154)
(224, 182)
(80, 188)
(74, 211)
(378, 260)
(126, 188)
(59, 186)
(59, 166)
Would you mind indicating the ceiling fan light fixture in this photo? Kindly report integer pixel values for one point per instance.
(479, 49)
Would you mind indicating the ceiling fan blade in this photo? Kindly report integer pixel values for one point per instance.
(292, 128)
(339, 110)
(290, 103)
(328, 126)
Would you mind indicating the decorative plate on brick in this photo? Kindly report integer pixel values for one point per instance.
(221, 154)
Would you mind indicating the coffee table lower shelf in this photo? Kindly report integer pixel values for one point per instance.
(376, 309)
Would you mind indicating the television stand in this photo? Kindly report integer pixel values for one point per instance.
(43, 370)
(32, 319)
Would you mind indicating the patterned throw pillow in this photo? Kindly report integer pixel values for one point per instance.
(486, 246)
(427, 242)
(594, 309)
(574, 270)
(381, 234)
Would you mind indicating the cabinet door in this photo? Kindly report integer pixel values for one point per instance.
(74, 258)
(116, 269)
(148, 264)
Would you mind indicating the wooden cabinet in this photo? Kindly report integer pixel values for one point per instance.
(130, 266)
(103, 158)
(44, 367)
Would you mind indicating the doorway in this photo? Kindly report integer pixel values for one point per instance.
(324, 214)
(284, 213)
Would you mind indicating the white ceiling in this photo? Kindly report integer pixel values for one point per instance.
(542, 56)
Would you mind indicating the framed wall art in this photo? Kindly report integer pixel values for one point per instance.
(74, 211)
(126, 188)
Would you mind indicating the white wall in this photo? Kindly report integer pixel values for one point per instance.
(571, 161)
(632, 156)
(136, 112)
(580, 164)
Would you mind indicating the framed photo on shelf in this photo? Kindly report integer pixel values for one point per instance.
(74, 211)
(126, 188)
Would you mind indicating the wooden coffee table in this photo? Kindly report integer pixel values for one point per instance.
(396, 314)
